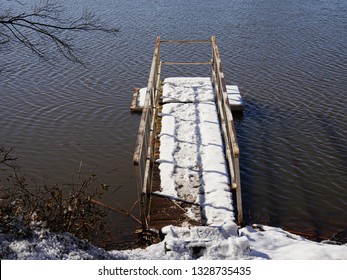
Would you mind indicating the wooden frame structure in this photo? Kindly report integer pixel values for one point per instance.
(232, 151)
(144, 150)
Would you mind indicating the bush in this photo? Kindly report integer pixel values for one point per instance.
(59, 208)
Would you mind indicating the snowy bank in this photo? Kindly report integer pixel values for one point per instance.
(179, 244)
(218, 243)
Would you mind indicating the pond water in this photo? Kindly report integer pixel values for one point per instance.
(289, 59)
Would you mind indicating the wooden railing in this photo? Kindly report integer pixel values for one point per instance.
(144, 150)
(232, 150)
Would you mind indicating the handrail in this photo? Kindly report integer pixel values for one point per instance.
(232, 150)
(184, 41)
(144, 150)
(186, 62)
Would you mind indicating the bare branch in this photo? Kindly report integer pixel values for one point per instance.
(47, 23)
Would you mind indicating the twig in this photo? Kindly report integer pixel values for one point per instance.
(79, 172)
(132, 207)
(174, 198)
(184, 210)
(120, 211)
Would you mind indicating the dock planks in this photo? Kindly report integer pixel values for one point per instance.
(212, 205)
(164, 211)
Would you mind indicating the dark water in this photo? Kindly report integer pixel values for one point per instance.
(289, 59)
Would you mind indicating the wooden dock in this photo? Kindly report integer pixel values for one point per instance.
(234, 96)
(158, 209)
(164, 211)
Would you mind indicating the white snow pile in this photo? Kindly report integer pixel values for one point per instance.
(41, 244)
(142, 97)
(188, 89)
(219, 243)
(179, 244)
(192, 162)
(234, 95)
(274, 243)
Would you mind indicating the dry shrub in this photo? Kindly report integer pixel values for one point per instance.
(59, 208)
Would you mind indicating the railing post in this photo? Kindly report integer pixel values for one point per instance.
(228, 130)
(144, 150)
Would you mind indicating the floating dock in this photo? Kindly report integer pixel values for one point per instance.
(187, 156)
(234, 97)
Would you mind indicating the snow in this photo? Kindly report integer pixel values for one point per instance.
(142, 97)
(187, 89)
(180, 243)
(44, 245)
(192, 162)
(277, 244)
(234, 95)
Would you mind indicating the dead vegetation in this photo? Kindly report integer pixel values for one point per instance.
(59, 208)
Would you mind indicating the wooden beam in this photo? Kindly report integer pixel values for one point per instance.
(232, 148)
(184, 41)
(186, 63)
(174, 198)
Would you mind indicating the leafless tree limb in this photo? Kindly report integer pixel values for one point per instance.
(47, 23)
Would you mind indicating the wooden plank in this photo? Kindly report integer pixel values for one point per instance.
(175, 199)
(228, 128)
(238, 192)
(186, 63)
(134, 107)
(145, 113)
(163, 211)
(184, 41)
(141, 133)
(225, 106)
(222, 119)
(237, 108)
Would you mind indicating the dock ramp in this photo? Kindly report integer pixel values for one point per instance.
(187, 156)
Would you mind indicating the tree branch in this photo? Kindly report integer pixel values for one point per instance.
(48, 23)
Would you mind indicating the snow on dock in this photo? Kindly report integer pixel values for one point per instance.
(192, 162)
(187, 90)
(234, 97)
(186, 156)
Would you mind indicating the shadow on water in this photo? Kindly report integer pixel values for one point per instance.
(283, 194)
(250, 186)
(335, 140)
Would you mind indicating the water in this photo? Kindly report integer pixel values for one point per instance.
(289, 59)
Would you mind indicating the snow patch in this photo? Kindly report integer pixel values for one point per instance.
(192, 162)
(180, 243)
(204, 243)
(275, 243)
(234, 95)
(142, 97)
(184, 89)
